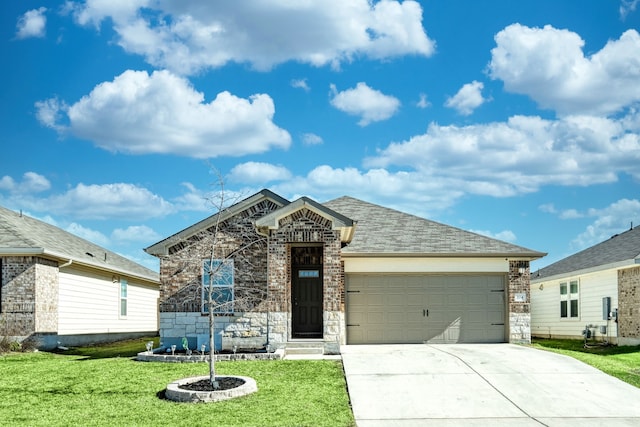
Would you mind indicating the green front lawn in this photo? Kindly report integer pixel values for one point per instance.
(619, 362)
(104, 386)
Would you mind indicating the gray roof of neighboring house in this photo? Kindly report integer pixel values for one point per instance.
(384, 231)
(620, 248)
(23, 235)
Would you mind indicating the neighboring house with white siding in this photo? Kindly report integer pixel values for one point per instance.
(57, 287)
(597, 289)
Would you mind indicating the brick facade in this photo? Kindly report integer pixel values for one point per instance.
(264, 270)
(305, 227)
(629, 305)
(29, 296)
(181, 304)
(519, 293)
(262, 279)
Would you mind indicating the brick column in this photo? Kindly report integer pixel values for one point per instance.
(519, 294)
(629, 306)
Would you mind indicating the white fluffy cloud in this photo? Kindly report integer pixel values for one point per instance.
(139, 113)
(135, 233)
(88, 234)
(468, 98)
(32, 24)
(505, 235)
(519, 156)
(311, 139)
(627, 7)
(409, 191)
(370, 104)
(31, 183)
(50, 113)
(423, 102)
(549, 65)
(192, 36)
(258, 173)
(119, 200)
(613, 219)
(300, 84)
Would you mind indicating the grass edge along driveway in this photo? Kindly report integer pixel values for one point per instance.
(95, 388)
(620, 362)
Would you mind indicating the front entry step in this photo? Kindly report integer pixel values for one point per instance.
(304, 347)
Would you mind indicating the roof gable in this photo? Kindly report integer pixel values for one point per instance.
(384, 231)
(619, 249)
(338, 221)
(23, 235)
(162, 247)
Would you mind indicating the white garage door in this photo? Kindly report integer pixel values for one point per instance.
(425, 308)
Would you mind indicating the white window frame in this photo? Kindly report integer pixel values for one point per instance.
(223, 278)
(571, 296)
(123, 289)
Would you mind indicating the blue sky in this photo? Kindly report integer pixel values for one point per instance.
(518, 120)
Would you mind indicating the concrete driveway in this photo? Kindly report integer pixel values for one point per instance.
(482, 385)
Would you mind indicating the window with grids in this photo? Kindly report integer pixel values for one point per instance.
(569, 299)
(217, 279)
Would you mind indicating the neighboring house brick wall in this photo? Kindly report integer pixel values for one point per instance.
(629, 306)
(519, 302)
(29, 293)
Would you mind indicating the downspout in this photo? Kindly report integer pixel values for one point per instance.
(66, 264)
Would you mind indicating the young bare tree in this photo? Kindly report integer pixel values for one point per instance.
(224, 266)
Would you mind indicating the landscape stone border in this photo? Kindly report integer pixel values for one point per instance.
(177, 394)
(146, 356)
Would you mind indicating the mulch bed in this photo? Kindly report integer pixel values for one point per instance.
(225, 383)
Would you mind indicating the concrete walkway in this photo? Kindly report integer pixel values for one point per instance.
(482, 385)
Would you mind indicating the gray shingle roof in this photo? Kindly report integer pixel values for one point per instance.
(381, 230)
(23, 235)
(623, 247)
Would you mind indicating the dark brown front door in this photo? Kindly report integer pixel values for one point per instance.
(306, 268)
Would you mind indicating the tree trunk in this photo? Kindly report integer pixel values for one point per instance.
(212, 351)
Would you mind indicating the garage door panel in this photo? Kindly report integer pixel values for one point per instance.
(375, 299)
(397, 300)
(477, 317)
(393, 308)
(357, 318)
(398, 318)
(495, 317)
(375, 318)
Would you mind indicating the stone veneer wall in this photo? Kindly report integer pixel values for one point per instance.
(305, 227)
(519, 293)
(29, 296)
(629, 306)
(248, 330)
